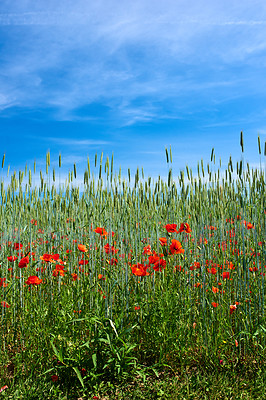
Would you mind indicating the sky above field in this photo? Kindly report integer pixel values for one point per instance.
(133, 77)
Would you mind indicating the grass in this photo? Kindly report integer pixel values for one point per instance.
(196, 386)
(133, 288)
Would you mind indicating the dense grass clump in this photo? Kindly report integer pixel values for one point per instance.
(134, 289)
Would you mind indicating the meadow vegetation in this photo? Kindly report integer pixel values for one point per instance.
(133, 287)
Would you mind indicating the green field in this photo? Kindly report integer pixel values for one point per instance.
(131, 287)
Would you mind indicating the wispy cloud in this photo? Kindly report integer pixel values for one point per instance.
(74, 142)
(133, 57)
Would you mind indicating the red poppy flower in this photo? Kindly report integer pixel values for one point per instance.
(196, 265)
(225, 275)
(212, 271)
(163, 241)
(33, 280)
(171, 228)
(250, 226)
(101, 231)
(54, 378)
(2, 282)
(18, 246)
(49, 257)
(215, 304)
(176, 247)
(253, 269)
(12, 258)
(147, 250)
(232, 308)
(74, 276)
(23, 262)
(139, 269)
(83, 262)
(82, 248)
(159, 265)
(109, 249)
(215, 289)
(59, 270)
(4, 304)
(59, 267)
(153, 259)
(184, 228)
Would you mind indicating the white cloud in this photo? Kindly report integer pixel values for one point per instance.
(75, 142)
(68, 54)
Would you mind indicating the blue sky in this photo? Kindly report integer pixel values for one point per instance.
(132, 78)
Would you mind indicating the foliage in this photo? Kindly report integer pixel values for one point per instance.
(125, 282)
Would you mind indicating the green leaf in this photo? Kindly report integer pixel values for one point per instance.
(47, 372)
(58, 354)
(79, 376)
(113, 326)
(94, 360)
